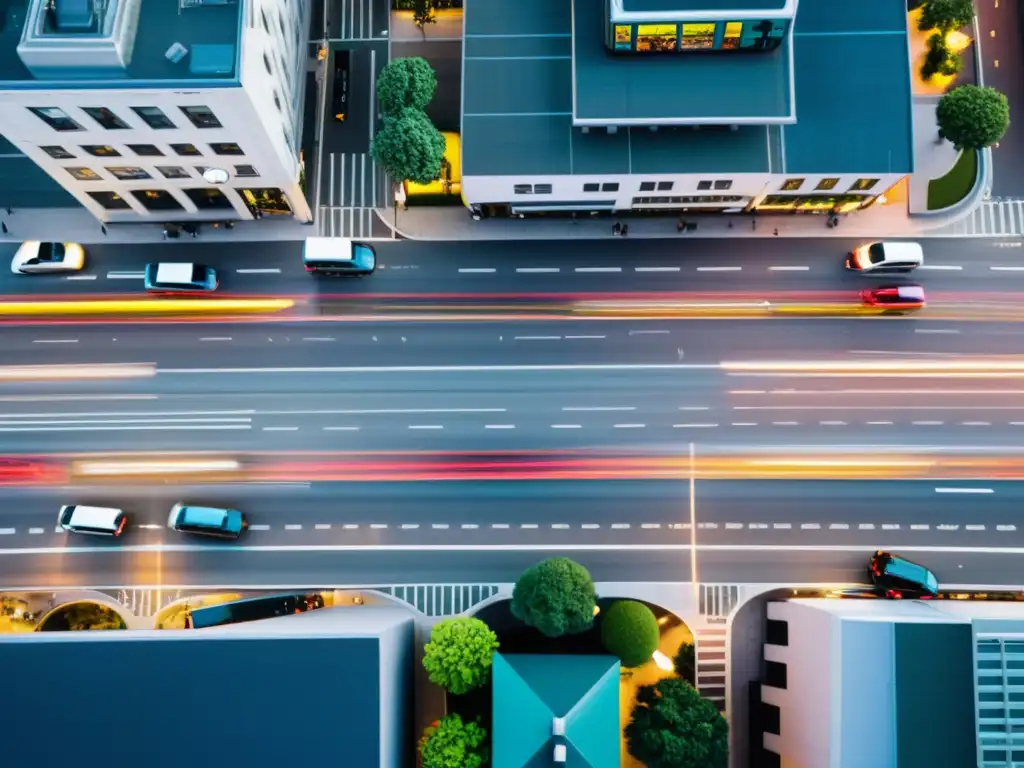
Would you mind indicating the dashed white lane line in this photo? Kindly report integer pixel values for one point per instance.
(620, 526)
(839, 527)
(318, 338)
(499, 426)
(630, 426)
(1007, 269)
(478, 270)
(810, 526)
(567, 426)
(598, 269)
(54, 341)
(36, 530)
(560, 526)
(537, 338)
(650, 526)
(694, 426)
(941, 267)
(719, 269)
(150, 526)
(341, 429)
(280, 429)
(744, 424)
(265, 271)
(352, 526)
(927, 423)
(965, 490)
(653, 332)
(694, 408)
(947, 331)
(293, 527)
(410, 526)
(125, 275)
(500, 526)
(879, 423)
(80, 277)
(590, 526)
(785, 423)
(600, 408)
(1006, 527)
(832, 423)
(426, 426)
(439, 526)
(215, 338)
(890, 526)
(259, 527)
(975, 527)
(789, 269)
(529, 526)
(586, 337)
(537, 270)
(322, 527)
(866, 527)
(947, 527)
(734, 526)
(976, 423)
(781, 526)
(758, 526)
(7, 531)
(656, 269)
(469, 526)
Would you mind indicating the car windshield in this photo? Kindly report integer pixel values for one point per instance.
(363, 256)
(198, 273)
(876, 253)
(51, 251)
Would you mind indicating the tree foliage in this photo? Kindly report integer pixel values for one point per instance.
(452, 743)
(946, 15)
(555, 597)
(459, 654)
(673, 727)
(86, 616)
(685, 663)
(403, 84)
(423, 14)
(630, 631)
(973, 117)
(940, 59)
(409, 147)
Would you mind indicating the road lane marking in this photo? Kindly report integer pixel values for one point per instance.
(560, 526)
(590, 526)
(694, 408)
(757, 526)
(839, 527)
(478, 270)
(537, 270)
(586, 337)
(948, 527)
(620, 526)
(35, 530)
(832, 423)
(927, 423)
(1006, 527)
(584, 367)
(537, 338)
(975, 527)
(890, 526)
(649, 333)
(656, 269)
(1007, 269)
(499, 426)
(744, 424)
(789, 269)
(975, 424)
(920, 527)
(810, 526)
(500, 526)
(341, 429)
(7, 531)
(781, 526)
(694, 426)
(128, 428)
(598, 269)
(650, 526)
(259, 527)
(529, 526)
(734, 526)
(378, 526)
(719, 269)
(293, 527)
(599, 408)
(469, 526)
(866, 527)
(54, 341)
(350, 526)
(8, 421)
(879, 423)
(410, 526)
(940, 267)
(318, 338)
(125, 275)
(964, 490)
(786, 423)
(567, 426)
(426, 426)
(439, 526)
(80, 277)
(322, 527)
(950, 331)
(215, 338)
(280, 429)
(267, 271)
(630, 426)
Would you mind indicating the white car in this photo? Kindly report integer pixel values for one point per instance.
(34, 257)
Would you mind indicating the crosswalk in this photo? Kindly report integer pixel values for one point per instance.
(354, 187)
(993, 218)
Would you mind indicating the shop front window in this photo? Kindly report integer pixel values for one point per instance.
(731, 38)
(623, 37)
(762, 35)
(814, 203)
(266, 201)
(657, 38)
(209, 199)
(157, 200)
(698, 36)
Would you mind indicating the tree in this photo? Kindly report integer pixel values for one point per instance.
(685, 663)
(409, 147)
(673, 727)
(556, 597)
(630, 631)
(86, 616)
(405, 83)
(452, 743)
(973, 117)
(423, 14)
(939, 59)
(946, 15)
(459, 654)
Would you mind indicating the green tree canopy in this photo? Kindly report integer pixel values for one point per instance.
(452, 743)
(405, 83)
(973, 117)
(673, 727)
(629, 630)
(685, 662)
(946, 15)
(459, 654)
(556, 597)
(409, 147)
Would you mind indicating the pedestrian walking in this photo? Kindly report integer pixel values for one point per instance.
(616, 229)
(776, 232)
(103, 229)
(625, 229)
(681, 225)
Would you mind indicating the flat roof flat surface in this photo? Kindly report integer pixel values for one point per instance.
(695, 6)
(210, 702)
(174, 273)
(635, 86)
(161, 24)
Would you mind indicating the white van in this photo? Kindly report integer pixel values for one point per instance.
(338, 256)
(885, 257)
(101, 521)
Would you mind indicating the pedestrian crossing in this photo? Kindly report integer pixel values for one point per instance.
(353, 187)
(358, 20)
(340, 221)
(993, 218)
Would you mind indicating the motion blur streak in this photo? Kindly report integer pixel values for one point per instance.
(142, 307)
(82, 372)
(168, 467)
(975, 367)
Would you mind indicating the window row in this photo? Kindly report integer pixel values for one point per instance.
(206, 199)
(142, 150)
(154, 117)
(688, 200)
(532, 189)
(860, 185)
(133, 173)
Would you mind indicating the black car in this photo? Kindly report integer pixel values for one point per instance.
(339, 93)
(900, 577)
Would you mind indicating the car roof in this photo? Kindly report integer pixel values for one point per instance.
(911, 292)
(174, 273)
(210, 516)
(329, 249)
(95, 517)
(903, 252)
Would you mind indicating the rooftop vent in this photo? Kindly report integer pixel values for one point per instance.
(560, 754)
(75, 15)
(558, 726)
(176, 53)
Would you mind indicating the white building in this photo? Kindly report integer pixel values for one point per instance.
(900, 684)
(160, 110)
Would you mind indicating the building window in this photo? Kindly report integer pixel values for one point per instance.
(266, 24)
(791, 185)
(227, 148)
(592, 187)
(646, 186)
(827, 184)
(696, 36)
(201, 117)
(703, 185)
(110, 200)
(266, 64)
(57, 153)
(863, 185)
(106, 118)
(186, 150)
(145, 150)
(777, 632)
(272, 202)
(127, 172)
(101, 150)
(157, 200)
(84, 174)
(209, 198)
(657, 37)
(542, 189)
(173, 172)
(277, 102)
(665, 186)
(771, 717)
(154, 117)
(610, 187)
(686, 200)
(522, 189)
(246, 170)
(56, 118)
(775, 674)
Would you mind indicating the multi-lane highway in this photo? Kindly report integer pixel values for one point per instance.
(605, 392)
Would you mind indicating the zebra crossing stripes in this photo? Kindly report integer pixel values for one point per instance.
(993, 218)
(342, 221)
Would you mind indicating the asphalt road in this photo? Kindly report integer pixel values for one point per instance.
(682, 264)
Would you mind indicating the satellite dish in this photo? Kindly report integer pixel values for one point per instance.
(215, 176)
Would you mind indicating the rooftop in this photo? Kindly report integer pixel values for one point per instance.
(658, 88)
(518, 96)
(135, 43)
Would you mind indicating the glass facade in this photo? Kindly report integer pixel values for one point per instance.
(673, 37)
(840, 203)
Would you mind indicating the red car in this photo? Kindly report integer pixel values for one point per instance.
(898, 298)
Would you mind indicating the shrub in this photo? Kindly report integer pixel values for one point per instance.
(946, 15)
(672, 726)
(685, 663)
(452, 743)
(556, 597)
(629, 630)
(459, 654)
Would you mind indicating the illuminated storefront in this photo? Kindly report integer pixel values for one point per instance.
(842, 203)
(672, 37)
